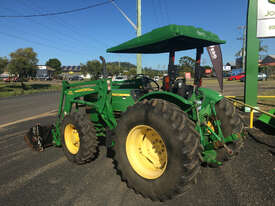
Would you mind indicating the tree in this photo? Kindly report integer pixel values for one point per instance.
(55, 64)
(23, 63)
(3, 64)
(113, 69)
(187, 64)
(92, 67)
(187, 61)
(132, 71)
(262, 49)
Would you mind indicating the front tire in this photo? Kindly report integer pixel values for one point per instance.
(157, 149)
(78, 138)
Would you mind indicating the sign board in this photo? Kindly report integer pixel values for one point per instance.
(266, 18)
(208, 71)
(226, 68)
(187, 75)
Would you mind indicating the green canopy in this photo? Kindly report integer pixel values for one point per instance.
(167, 38)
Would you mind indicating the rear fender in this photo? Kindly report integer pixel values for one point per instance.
(210, 96)
(181, 102)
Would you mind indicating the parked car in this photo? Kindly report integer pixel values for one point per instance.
(226, 74)
(242, 79)
(119, 78)
(8, 79)
(11, 79)
(236, 77)
(44, 78)
(262, 76)
(76, 78)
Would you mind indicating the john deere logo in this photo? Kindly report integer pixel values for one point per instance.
(272, 1)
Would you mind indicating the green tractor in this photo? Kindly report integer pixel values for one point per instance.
(160, 137)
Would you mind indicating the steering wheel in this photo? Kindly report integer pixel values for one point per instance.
(149, 84)
(146, 83)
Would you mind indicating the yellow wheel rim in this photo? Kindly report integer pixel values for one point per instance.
(146, 152)
(209, 124)
(71, 137)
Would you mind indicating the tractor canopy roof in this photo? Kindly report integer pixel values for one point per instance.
(168, 38)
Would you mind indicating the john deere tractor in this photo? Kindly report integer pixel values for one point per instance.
(160, 136)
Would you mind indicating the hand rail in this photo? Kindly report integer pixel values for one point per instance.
(251, 109)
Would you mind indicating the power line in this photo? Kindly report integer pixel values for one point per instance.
(68, 26)
(59, 13)
(63, 37)
(38, 43)
(59, 21)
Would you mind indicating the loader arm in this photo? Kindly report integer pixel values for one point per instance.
(74, 94)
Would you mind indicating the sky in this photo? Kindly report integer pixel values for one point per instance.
(82, 36)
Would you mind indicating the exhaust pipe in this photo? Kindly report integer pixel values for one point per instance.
(104, 69)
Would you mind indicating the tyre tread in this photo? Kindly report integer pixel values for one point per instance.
(190, 146)
(88, 138)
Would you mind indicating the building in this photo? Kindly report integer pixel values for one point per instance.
(43, 71)
(70, 69)
(4, 75)
(269, 60)
(232, 65)
(239, 62)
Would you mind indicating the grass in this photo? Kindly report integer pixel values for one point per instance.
(15, 88)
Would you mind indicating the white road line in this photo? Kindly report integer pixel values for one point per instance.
(7, 139)
(20, 182)
(7, 136)
(18, 152)
(50, 113)
(11, 159)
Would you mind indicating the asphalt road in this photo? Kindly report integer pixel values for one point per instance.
(47, 178)
(21, 107)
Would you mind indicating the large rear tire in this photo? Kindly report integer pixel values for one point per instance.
(231, 123)
(78, 138)
(157, 149)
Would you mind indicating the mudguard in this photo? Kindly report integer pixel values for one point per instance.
(170, 97)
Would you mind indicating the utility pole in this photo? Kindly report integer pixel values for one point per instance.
(119, 62)
(136, 27)
(139, 34)
(244, 45)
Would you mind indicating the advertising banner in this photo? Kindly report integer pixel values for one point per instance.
(215, 54)
(266, 19)
(226, 68)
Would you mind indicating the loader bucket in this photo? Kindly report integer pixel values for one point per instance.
(39, 137)
(269, 120)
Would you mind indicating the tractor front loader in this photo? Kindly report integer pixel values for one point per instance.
(160, 138)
